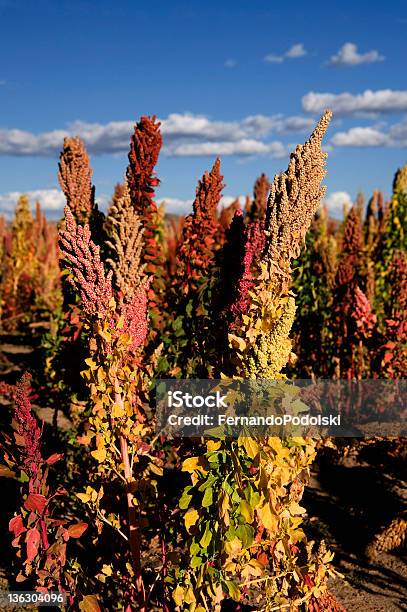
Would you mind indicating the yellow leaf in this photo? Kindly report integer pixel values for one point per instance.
(89, 604)
(250, 445)
(224, 503)
(236, 342)
(234, 547)
(211, 446)
(105, 335)
(190, 518)
(91, 363)
(295, 508)
(99, 455)
(83, 497)
(269, 520)
(156, 469)
(189, 597)
(107, 569)
(178, 595)
(92, 494)
(6, 472)
(101, 375)
(246, 511)
(118, 411)
(192, 465)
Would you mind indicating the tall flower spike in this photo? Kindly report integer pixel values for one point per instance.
(351, 248)
(135, 317)
(196, 249)
(294, 198)
(83, 261)
(75, 178)
(252, 243)
(27, 427)
(145, 147)
(118, 193)
(400, 180)
(126, 241)
(261, 191)
(365, 319)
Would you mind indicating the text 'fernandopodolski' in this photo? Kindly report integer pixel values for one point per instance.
(254, 420)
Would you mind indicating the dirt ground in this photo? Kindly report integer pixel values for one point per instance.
(348, 501)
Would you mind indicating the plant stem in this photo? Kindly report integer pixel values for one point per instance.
(134, 531)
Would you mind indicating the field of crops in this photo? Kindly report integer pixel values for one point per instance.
(96, 308)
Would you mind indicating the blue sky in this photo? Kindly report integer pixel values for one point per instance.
(243, 79)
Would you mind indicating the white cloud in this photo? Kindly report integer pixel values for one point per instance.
(53, 201)
(230, 63)
(295, 124)
(50, 200)
(19, 142)
(380, 101)
(241, 147)
(398, 133)
(361, 137)
(294, 52)
(180, 132)
(274, 59)
(176, 206)
(348, 55)
(381, 135)
(336, 201)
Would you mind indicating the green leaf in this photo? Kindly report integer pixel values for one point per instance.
(196, 562)
(230, 534)
(194, 548)
(207, 483)
(213, 457)
(206, 538)
(233, 590)
(226, 486)
(207, 498)
(245, 533)
(188, 308)
(185, 500)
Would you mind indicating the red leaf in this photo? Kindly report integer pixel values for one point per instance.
(53, 458)
(16, 525)
(35, 502)
(33, 539)
(75, 531)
